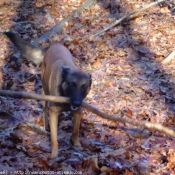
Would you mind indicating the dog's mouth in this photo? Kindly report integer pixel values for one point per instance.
(73, 108)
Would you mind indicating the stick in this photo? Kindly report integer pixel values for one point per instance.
(28, 95)
(170, 57)
(91, 108)
(142, 124)
(59, 26)
(116, 22)
(41, 131)
(74, 148)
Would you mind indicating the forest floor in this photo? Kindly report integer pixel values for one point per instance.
(128, 79)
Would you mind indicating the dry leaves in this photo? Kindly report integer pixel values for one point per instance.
(127, 81)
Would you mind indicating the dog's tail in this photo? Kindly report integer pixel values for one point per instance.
(29, 51)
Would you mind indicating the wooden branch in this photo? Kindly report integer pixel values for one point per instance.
(59, 27)
(74, 148)
(28, 95)
(142, 124)
(170, 57)
(91, 108)
(116, 22)
(41, 131)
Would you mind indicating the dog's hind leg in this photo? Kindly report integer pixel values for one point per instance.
(76, 124)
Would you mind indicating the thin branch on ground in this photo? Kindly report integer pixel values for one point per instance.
(41, 131)
(36, 128)
(170, 57)
(142, 124)
(74, 148)
(59, 26)
(131, 15)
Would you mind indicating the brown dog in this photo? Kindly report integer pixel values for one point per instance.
(60, 77)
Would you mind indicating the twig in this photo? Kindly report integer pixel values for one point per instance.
(74, 148)
(57, 159)
(116, 22)
(43, 132)
(25, 123)
(170, 57)
(142, 124)
(59, 27)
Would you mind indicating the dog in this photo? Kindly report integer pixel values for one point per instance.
(60, 77)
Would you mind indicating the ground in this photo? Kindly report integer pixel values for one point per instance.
(128, 80)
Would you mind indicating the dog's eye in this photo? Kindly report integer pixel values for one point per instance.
(71, 84)
(83, 87)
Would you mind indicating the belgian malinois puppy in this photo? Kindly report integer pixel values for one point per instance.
(60, 77)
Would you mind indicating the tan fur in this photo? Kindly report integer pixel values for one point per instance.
(56, 56)
(59, 77)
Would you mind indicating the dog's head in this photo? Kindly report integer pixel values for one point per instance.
(76, 85)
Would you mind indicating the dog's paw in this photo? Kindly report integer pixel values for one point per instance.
(76, 143)
(54, 154)
(79, 147)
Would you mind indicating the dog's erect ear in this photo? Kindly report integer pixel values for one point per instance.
(65, 72)
(90, 79)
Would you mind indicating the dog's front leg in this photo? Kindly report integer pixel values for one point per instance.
(45, 111)
(45, 115)
(76, 124)
(53, 129)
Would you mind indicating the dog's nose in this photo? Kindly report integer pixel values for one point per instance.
(77, 103)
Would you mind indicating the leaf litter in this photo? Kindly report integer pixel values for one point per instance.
(128, 80)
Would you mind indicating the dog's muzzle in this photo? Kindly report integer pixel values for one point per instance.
(75, 105)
